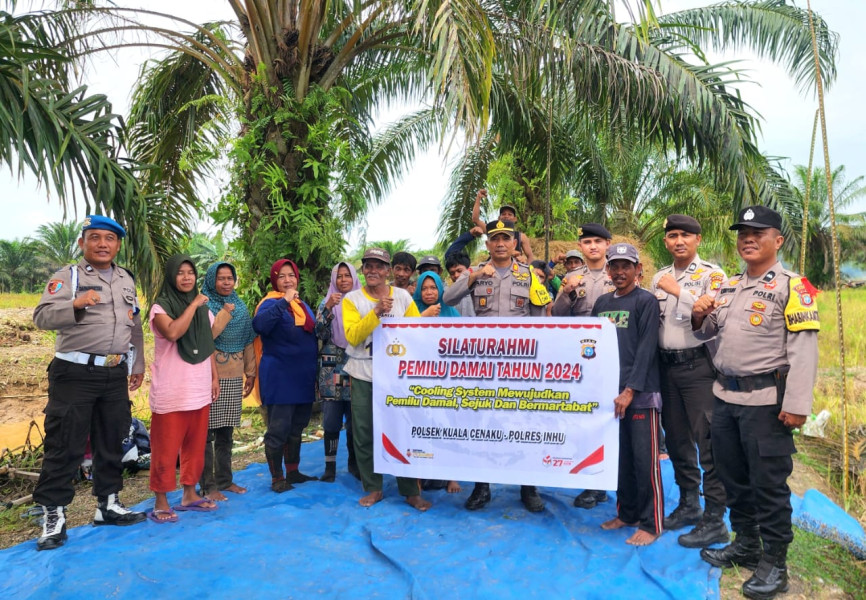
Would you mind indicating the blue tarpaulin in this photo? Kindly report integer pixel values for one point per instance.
(316, 541)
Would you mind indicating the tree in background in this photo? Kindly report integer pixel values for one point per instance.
(22, 269)
(851, 227)
(58, 243)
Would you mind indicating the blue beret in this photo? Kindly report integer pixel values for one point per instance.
(100, 222)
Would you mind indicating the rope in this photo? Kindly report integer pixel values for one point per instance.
(805, 233)
(828, 174)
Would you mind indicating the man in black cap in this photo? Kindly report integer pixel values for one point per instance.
(429, 263)
(766, 325)
(402, 268)
(99, 359)
(501, 287)
(687, 377)
(577, 295)
(506, 213)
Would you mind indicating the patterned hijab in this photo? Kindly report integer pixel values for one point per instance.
(196, 345)
(338, 334)
(239, 331)
(446, 311)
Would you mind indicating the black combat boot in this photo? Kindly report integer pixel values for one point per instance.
(711, 529)
(590, 498)
(479, 497)
(771, 576)
(111, 511)
(687, 512)
(745, 551)
(53, 528)
(530, 498)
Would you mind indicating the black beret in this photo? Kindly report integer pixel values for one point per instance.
(758, 216)
(593, 230)
(683, 222)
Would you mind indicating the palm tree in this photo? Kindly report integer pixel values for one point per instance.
(69, 139)
(58, 243)
(699, 117)
(819, 245)
(21, 269)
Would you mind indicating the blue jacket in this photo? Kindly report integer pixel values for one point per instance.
(287, 371)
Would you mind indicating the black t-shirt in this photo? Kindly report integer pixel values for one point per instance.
(636, 316)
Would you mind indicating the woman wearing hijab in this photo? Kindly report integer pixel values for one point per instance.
(184, 382)
(235, 357)
(287, 372)
(333, 383)
(428, 299)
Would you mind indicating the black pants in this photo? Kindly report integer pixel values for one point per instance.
(753, 456)
(83, 401)
(217, 473)
(333, 412)
(687, 414)
(639, 492)
(285, 421)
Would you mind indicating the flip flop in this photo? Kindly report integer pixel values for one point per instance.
(153, 515)
(196, 506)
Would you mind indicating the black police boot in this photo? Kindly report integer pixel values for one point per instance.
(53, 528)
(530, 498)
(479, 497)
(771, 576)
(111, 511)
(590, 498)
(711, 529)
(745, 551)
(687, 512)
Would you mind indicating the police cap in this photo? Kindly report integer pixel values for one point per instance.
(760, 217)
(500, 226)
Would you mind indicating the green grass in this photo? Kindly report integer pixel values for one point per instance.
(19, 300)
(854, 322)
(820, 563)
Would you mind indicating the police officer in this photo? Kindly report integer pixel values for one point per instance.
(577, 295)
(501, 287)
(98, 361)
(766, 323)
(687, 377)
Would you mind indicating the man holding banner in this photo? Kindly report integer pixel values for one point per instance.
(362, 310)
(501, 287)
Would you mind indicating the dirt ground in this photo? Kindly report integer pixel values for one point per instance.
(24, 355)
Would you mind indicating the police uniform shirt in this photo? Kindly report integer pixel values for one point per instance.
(590, 288)
(698, 279)
(752, 325)
(108, 327)
(515, 293)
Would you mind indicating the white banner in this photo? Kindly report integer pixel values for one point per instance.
(502, 400)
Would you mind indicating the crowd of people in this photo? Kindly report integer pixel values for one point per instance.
(726, 365)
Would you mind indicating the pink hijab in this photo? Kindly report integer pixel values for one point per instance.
(338, 334)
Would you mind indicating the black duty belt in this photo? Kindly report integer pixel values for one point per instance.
(681, 357)
(750, 383)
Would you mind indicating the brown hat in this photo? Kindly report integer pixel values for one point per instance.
(379, 254)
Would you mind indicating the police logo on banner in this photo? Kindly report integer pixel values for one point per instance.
(587, 349)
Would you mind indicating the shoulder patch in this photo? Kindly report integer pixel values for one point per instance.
(54, 286)
(801, 312)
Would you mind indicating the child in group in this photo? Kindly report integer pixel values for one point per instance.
(635, 313)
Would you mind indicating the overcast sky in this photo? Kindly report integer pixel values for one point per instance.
(412, 211)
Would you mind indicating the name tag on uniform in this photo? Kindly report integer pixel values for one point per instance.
(95, 288)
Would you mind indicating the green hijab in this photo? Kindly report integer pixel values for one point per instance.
(196, 345)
